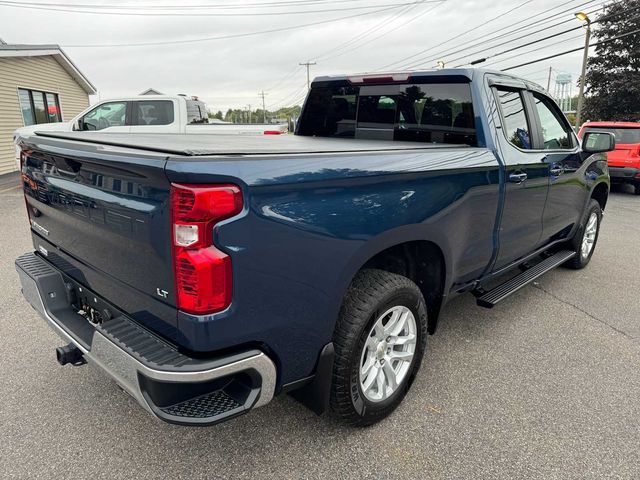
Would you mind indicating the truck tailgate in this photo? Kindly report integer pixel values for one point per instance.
(101, 215)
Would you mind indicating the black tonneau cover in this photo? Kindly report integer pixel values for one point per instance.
(226, 145)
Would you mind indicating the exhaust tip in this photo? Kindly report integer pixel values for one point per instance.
(69, 354)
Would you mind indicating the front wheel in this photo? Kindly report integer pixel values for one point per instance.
(585, 239)
(379, 342)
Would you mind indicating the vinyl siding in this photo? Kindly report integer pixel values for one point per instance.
(35, 73)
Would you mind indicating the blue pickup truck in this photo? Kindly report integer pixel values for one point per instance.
(207, 275)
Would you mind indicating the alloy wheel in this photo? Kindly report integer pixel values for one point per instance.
(387, 353)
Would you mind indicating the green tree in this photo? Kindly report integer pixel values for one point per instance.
(238, 115)
(217, 115)
(613, 74)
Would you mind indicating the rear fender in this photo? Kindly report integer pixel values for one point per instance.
(384, 241)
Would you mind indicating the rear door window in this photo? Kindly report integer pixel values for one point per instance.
(152, 112)
(514, 118)
(436, 113)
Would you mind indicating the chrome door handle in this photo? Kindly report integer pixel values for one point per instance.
(556, 169)
(518, 177)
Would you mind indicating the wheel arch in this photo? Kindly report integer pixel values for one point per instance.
(600, 193)
(424, 261)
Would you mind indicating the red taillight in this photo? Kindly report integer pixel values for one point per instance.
(272, 132)
(202, 272)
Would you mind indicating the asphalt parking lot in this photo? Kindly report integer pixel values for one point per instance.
(547, 384)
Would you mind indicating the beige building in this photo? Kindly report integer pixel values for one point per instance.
(38, 84)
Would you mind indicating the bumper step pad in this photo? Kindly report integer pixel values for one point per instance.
(206, 406)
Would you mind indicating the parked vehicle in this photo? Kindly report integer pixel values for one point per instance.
(205, 276)
(624, 161)
(158, 114)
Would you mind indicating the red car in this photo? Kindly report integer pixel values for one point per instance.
(624, 161)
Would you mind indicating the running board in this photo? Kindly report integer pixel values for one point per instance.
(492, 297)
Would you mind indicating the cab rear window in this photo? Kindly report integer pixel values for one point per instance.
(623, 135)
(430, 113)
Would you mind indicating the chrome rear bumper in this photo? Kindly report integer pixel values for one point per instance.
(177, 389)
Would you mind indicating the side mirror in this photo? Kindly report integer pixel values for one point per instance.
(598, 142)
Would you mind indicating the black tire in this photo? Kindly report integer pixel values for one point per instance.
(637, 188)
(371, 294)
(580, 260)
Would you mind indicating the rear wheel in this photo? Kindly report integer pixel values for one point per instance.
(379, 342)
(637, 188)
(585, 239)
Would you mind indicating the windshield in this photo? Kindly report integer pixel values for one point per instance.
(623, 135)
(430, 113)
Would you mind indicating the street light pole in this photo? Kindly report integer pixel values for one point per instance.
(583, 16)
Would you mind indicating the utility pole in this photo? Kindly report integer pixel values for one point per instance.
(308, 64)
(264, 109)
(249, 112)
(549, 79)
(583, 16)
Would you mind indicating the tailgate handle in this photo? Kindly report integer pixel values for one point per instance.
(68, 167)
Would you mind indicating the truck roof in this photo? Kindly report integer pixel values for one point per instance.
(420, 76)
(464, 72)
(145, 97)
(236, 145)
(403, 75)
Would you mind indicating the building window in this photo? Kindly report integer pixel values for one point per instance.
(39, 107)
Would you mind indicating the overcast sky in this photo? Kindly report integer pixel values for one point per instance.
(230, 72)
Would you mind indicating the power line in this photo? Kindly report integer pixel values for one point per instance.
(511, 40)
(198, 14)
(520, 5)
(475, 62)
(138, 6)
(284, 79)
(361, 35)
(459, 48)
(286, 99)
(540, 40)
(346, 49)
(566, 52)
(535, 50)
(508, 33)
(224, 37)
